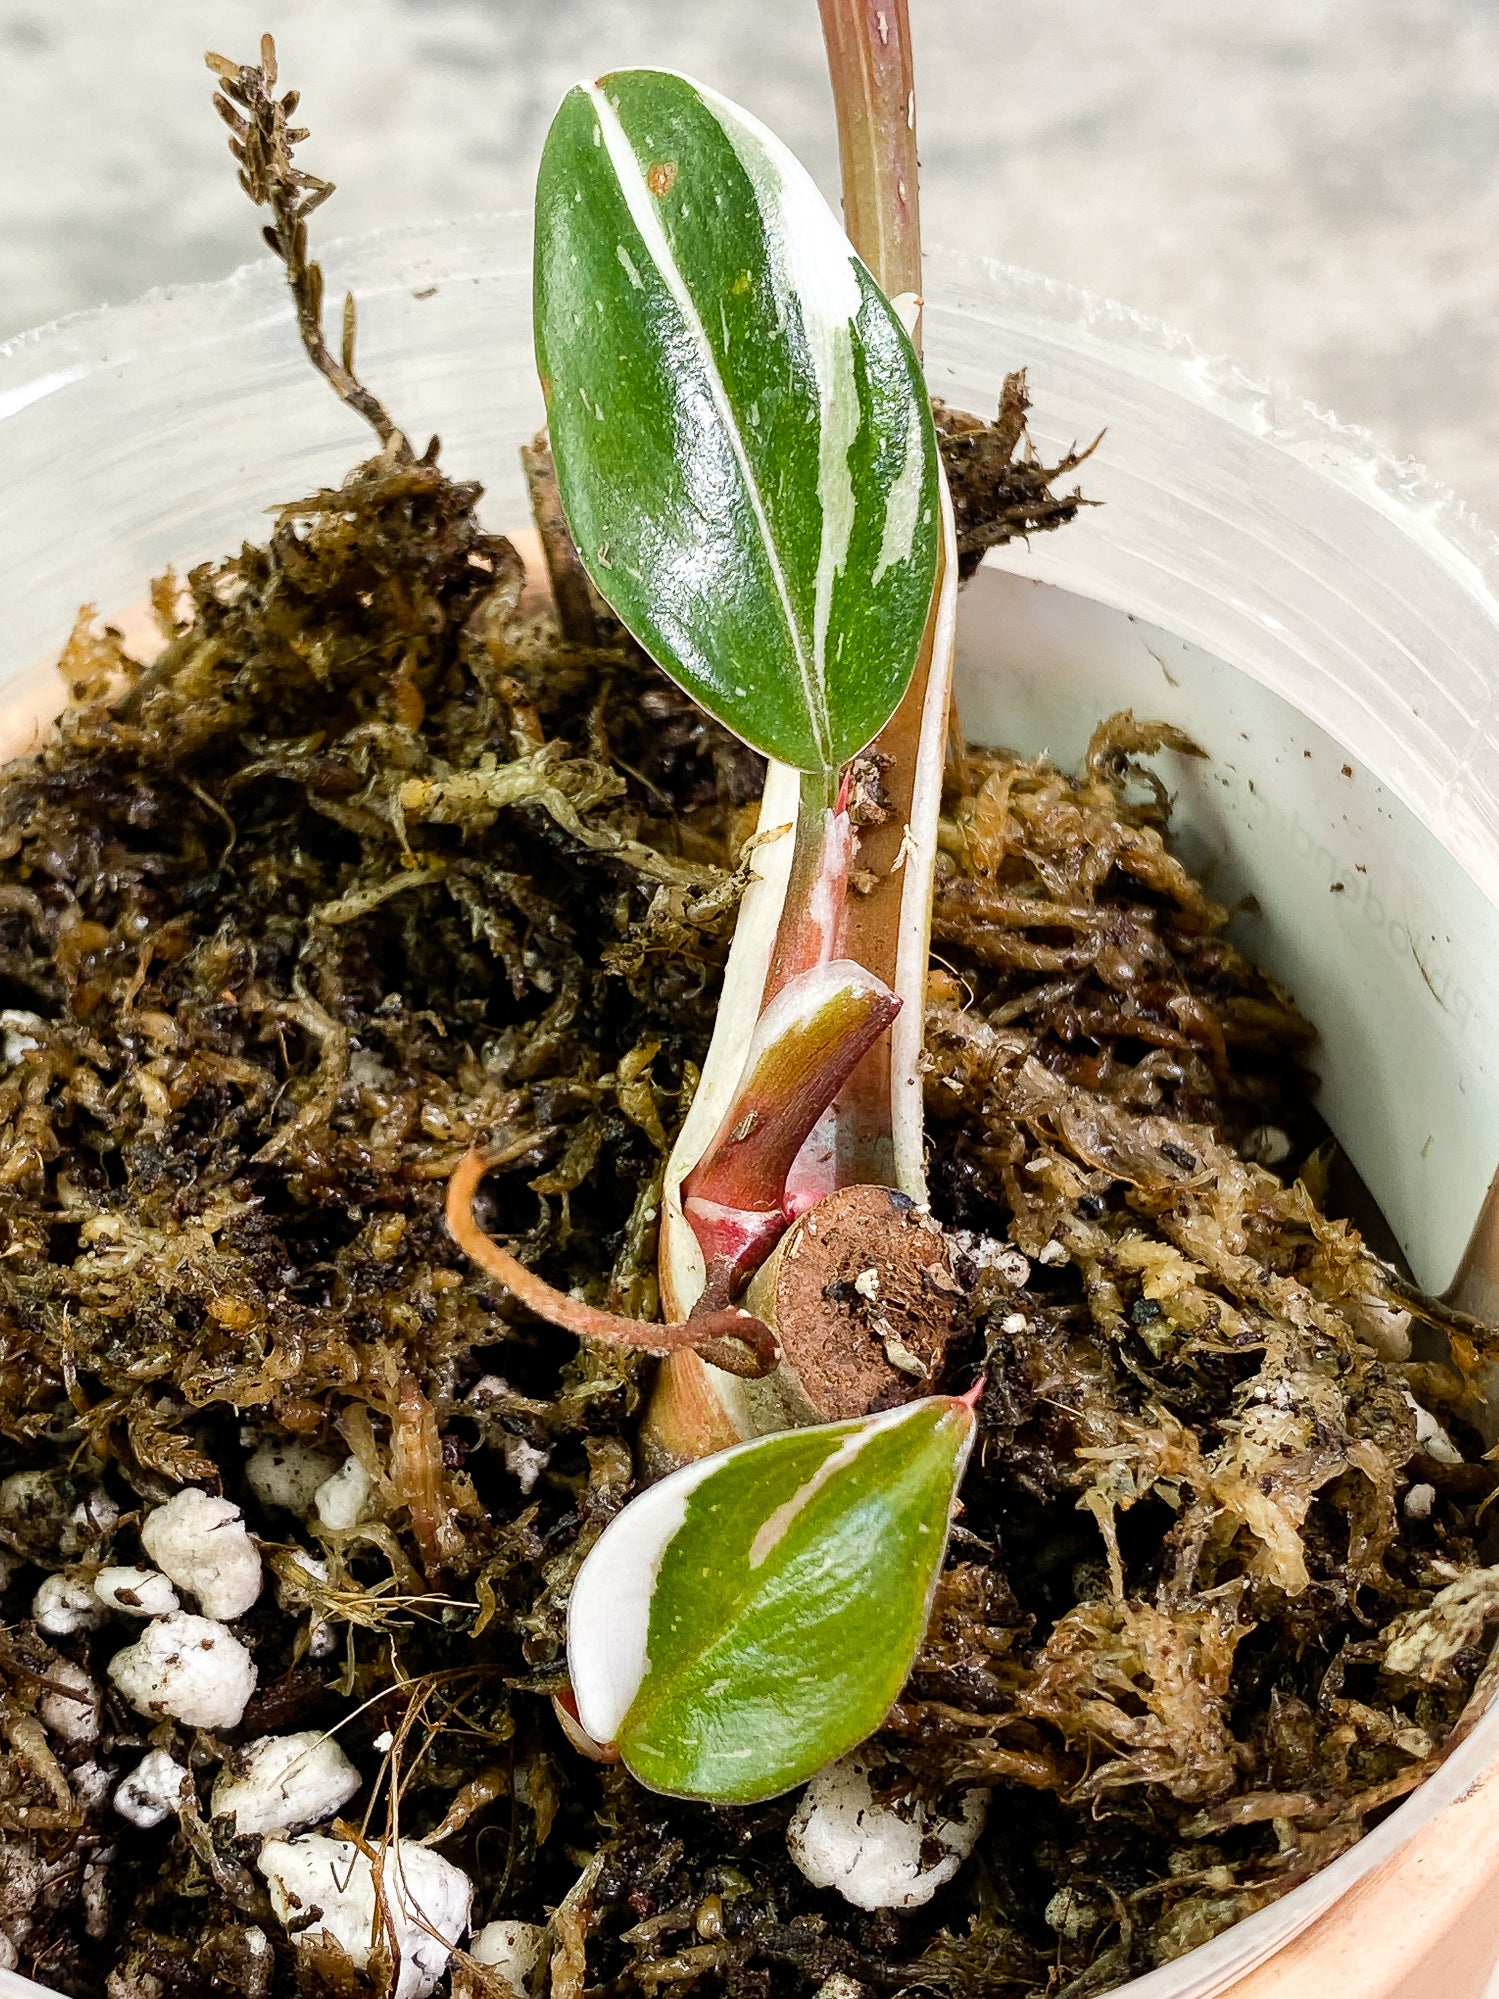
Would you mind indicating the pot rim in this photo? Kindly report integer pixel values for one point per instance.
(1350, 454)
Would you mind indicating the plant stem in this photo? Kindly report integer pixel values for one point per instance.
(871, 69)
(806, 1043)
(811, 925)
(730, 1339)
(888, 928)
(813, 1029)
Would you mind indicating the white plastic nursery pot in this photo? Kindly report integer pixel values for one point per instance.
(1322, 621)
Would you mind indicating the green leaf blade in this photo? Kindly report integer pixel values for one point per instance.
(743, 443)
(786, 1602)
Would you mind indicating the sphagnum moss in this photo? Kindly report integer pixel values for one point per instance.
(371, 863)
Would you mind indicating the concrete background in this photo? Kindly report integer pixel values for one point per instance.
(1309, 185)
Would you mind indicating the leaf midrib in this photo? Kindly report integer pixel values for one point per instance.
(637, 200)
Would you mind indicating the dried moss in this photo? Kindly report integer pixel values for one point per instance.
(1197, 1609)
(268, 969)
(370, 862)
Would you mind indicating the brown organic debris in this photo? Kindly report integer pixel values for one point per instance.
(1001, 489)
(862, 1296)
(263, 141)
(372, 872)
(1185, 1606)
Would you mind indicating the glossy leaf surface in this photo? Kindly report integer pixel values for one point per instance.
(754, 1616)
(742, 438)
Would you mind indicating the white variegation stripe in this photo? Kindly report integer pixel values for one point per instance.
(640, 204)
(913, 950)
(680, 1256)
(903, 505)
(777, 1525)
(609, 1614)
(804, 241)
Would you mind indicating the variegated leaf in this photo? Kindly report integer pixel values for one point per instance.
(754, 1615)
(743, 443)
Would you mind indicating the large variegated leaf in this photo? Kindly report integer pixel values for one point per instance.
(754, 1615)
(743, 442)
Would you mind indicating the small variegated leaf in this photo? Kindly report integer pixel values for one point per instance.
(754, 1615)
(743, 443)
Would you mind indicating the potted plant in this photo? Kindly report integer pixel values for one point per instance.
(364, 672)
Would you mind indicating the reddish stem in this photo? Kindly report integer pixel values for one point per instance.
(730, 1338)
(874, 93)
(810, 932)
(872, 71)
(807, 1042)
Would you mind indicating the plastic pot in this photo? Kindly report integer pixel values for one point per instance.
(1322, 620)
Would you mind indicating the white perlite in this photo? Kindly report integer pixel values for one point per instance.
(287, 1474)
(1430, 1436)
(878, 1854)
(152, 1791)
(95, 1517)
(1266, 1145)
(64, 1606)
(512, 1950)
(136, 1592)
(203, 1544)
(36, 1513)
(68, 1704)
(90, 1783)
(524, 1462)
(342, 1501)
(284, 1782)
(187, 1667)
(987, 1252)
(422, 1894)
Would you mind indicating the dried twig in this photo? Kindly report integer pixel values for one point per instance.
(262, 139)
(572, 592)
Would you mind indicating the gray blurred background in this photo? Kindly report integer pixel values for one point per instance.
(1311, 186)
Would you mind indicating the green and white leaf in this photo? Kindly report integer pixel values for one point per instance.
(755, 1614)
(743, 442)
